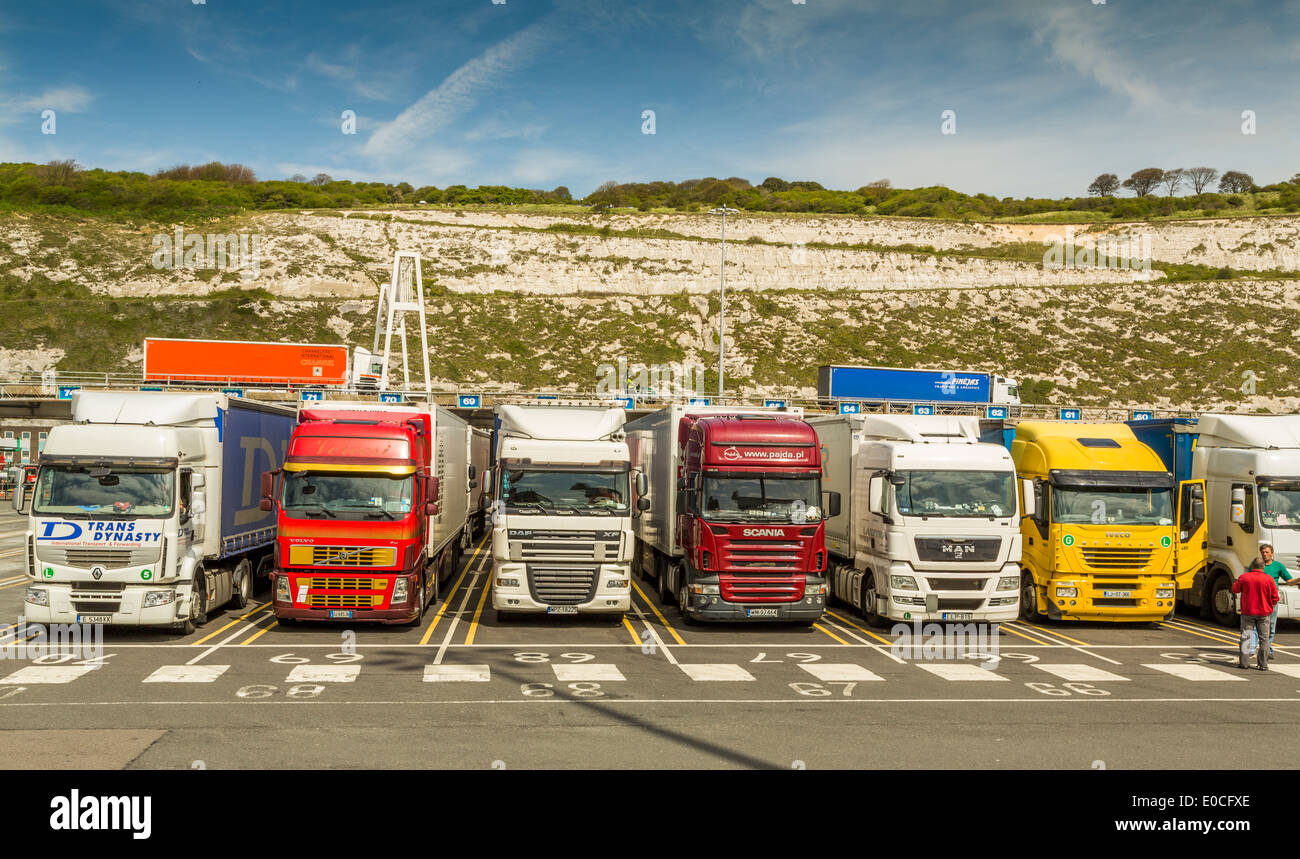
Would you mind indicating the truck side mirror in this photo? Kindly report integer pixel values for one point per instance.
(642, 483)
(643, 504)
(431, 508)
(268, 490)
(196, 481)
(1239, 505)
(1031, 500)
(832, 505)
(433, 490)
(681, 483)
(874, 488)
(472, 474)
(488, 476)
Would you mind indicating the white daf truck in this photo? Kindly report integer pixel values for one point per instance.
(562, 535)
(146, 510)
(929, 529)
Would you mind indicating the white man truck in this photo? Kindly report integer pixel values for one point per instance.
(562, 533)
(1250, 465)
(146, 510)
(930, 526)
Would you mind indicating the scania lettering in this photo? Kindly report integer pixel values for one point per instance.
(145, 509)
(732, 524)
(930, 530)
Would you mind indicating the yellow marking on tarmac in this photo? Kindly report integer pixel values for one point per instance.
(627, 624)
(821, 628)
(1223, 640)
(473, 624)
(1011, 629)
(863, 629)
(14, 585)
(12, 552)
(12, 579)
(258, 634)
(1044, 631)
(232, 623)
(654, 608)
(1220, 630)
(428, 633)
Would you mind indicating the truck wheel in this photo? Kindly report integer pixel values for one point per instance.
(868, 608)
(184, 627)
(662, 590)
(1221, 600)
(419, 612)
(1028, 597)
(683, 600)
(242, 591)
(199, 599)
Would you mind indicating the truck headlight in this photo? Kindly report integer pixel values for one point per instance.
(399, 590)
(909, 600)
(1003, 601)
(814, 589)
(618, 583)
(903, 583)
(1164, 593)
(507, 583)
(153, 598)
(37, 596)
(1067, 592)
(282, 588)
(705, 589)
(1008, 583)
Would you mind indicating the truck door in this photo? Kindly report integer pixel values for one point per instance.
(1190, 551)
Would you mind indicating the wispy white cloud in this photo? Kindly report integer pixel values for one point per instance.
(496, 128)
(348, 69)
(1080, 41)
(73, 99)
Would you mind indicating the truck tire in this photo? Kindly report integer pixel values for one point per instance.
(1220, 600)
(241, 590)
(1028, 597)
(420, 597)
(683, 600)
(868, 607)
(662, 589)
(199, 600)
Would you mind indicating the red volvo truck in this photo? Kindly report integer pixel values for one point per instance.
(371, 511)
(735, 529)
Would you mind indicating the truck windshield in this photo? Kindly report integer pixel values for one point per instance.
(1112, 506)
(332, 495)
(96, 492)
(564, 492)
(1279, 505)
(956, 494)
(762, 497)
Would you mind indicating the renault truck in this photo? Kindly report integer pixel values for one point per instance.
(1249, 466)
(562, 534)
(734, 524)
(145, 510)
(1108, 534)
(929, 528)
(371, 511)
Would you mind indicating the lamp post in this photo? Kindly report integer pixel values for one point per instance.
(722, 309)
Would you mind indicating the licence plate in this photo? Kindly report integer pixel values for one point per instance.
(341, 614)
(955, 615)
(760, 612)
(94, 618)
(561, 609)
(1117, 594)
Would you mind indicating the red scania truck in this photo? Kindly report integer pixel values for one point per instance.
(371, 511)
(735, 526)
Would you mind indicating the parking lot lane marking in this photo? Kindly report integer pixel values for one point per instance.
(654, 608)
(1080, 673)
(1081, 647)
(47, 674)
(261, 632)
(186, 674)
(249, 613)
(1290, 669)
(821, 628)
(839, 671)
(885, 651)
(12, 579)
(323, 674)
(587, 671)
(631, 630)
(1189, 671)
(1217, 638)
(455, 618)
(428, 633)
(959, 672)
(1015, 631)
(457, 674)
(715, 672)
(866, 631)
(14, 584)
(1051, 632)
(654, 634)
(12, 552)
(478, 612)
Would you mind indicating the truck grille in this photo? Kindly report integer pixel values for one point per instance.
(99, 588)
(952, 549)
(343, 600)
(529, 545)
(561, 585)
(766, 555)
(957, 584)
(109, 559)
(763, 590)
(342, 556)
(332, 584)
(1116, 558)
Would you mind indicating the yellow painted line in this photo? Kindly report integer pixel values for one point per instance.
(229, 625)
(861, 629)
(13, 579)
(12, 552)
(821, 628)
(627, 624)
(1201, 634)
(654, 608)
(478, 611)
(258, 634)
(1011, 629)
(1045, 632)
(428, 633)
(1220, 630)
(14, 585)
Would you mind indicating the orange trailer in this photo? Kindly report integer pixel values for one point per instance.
(244, 362)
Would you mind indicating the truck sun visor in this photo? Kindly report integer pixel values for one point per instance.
(1112, 479)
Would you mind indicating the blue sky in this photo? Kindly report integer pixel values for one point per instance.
(539, 93)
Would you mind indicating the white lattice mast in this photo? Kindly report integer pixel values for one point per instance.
(402, 294)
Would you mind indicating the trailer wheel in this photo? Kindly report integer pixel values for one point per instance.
(1028, 597)
(1221, 600)
(242, 590)
(662, 589)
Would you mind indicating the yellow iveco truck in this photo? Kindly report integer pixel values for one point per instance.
(1104, 537)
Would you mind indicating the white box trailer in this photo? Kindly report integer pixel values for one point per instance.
(146, 510)
(929, 529)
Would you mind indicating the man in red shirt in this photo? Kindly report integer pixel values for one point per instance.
(1259, 597)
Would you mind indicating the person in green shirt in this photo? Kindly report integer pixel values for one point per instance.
(1280, 574)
